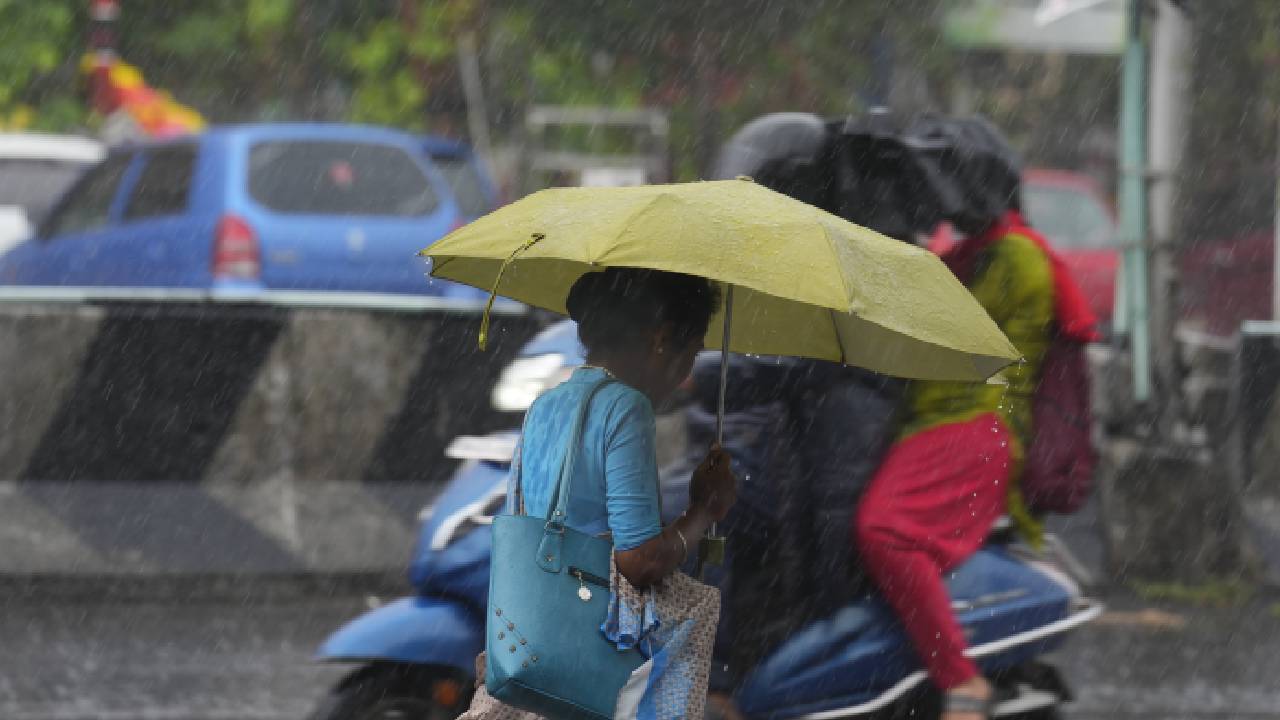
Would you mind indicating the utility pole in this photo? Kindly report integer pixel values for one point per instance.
(1134, 311)
(1171, 513)
(1275, 267)
(473, 89)
(1167, 128)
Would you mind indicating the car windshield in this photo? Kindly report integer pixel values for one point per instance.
(35, 184)
(1071, 219)
(338, 178)
(465, 181)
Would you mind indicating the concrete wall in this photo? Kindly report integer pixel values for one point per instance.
(210, 437)
(1204, 505)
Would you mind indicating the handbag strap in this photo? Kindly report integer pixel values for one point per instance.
(516, 464)
(558, 508)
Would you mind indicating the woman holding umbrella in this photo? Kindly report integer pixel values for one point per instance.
(641, 330)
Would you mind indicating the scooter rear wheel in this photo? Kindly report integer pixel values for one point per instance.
(393, 691)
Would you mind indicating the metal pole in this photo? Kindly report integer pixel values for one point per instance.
(1167, 126)
(1133, 205)
(724, 363)
(1275, 271)
(473, 90)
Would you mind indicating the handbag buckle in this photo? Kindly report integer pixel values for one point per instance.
(548, 557)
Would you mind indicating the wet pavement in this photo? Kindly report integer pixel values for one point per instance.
(247, 656)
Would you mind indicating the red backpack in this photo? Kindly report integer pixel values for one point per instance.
(1057, 475)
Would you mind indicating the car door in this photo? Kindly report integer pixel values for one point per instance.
(68, 246)
(158, 242)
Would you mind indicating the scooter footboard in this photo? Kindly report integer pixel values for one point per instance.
(859, 658)
(419, 630)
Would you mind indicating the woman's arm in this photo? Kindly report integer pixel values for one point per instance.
(712, 492)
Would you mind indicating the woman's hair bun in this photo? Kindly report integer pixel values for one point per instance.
(584, 293)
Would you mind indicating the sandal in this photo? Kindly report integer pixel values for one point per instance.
(953, 702)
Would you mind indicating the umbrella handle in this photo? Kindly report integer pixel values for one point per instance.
(483, 339)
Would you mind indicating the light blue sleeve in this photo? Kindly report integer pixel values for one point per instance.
(631, 473)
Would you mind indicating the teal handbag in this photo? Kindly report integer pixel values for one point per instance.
(548, 596)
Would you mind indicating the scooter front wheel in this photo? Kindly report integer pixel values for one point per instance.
(397, 691)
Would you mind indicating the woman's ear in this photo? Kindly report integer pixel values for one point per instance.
(662, 339)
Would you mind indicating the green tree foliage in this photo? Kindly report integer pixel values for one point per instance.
(36, 75)
(712, 63)
(393, 61)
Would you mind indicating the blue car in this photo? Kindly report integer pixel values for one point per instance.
(473, 191)
(321, 207)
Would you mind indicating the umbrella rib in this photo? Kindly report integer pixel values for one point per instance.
(835, 327)
(644, 207)
(831, 245)
(438, 266)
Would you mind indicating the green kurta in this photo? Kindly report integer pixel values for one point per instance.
(1013, 280)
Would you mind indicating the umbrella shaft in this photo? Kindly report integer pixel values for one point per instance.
(724, 363)
(724, 377)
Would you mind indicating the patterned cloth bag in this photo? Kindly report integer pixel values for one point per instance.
(677, 621)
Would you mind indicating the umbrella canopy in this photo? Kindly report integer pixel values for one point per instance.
(805, 283)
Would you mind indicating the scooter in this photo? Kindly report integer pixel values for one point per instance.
(414, 657)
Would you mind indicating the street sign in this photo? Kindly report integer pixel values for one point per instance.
(1087, 27)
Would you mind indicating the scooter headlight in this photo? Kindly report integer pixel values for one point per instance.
(528, 377)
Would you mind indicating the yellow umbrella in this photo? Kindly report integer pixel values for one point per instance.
(801, 281)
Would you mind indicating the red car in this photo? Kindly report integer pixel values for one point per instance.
(1225, 281)
(1069, 209)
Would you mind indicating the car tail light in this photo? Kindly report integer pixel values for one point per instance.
(235, 250)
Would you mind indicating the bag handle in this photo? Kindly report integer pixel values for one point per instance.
(558, 509)
(549, 550)
(517, 462)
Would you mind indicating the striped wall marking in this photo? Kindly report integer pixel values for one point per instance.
(136, 426)
(167, 523)
(307, 426)
(41, 354)
(153, 398)
(35, 541)
(450, 359)
(132, 528)
(139, 527)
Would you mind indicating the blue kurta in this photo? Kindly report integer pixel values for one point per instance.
(615, 481)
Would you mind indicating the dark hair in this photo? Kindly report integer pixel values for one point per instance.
(613, 307)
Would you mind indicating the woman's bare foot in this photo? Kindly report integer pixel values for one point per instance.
(975, 687)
